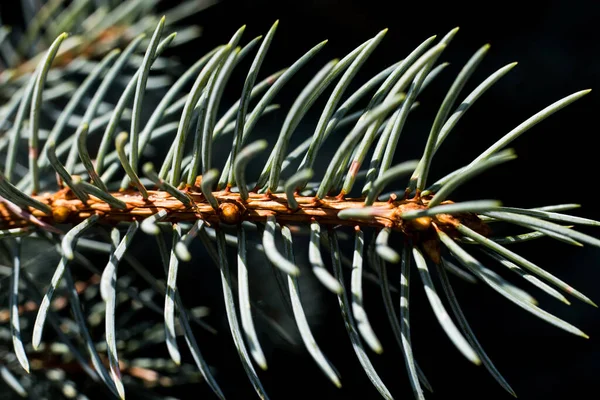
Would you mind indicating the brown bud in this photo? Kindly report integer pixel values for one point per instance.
(60, 213)
(421, 223)
(230, 213)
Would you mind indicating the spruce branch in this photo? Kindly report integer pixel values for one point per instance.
(78, 193)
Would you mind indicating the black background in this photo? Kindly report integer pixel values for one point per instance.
(556, 45)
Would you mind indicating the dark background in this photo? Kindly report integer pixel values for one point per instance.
(556, 45)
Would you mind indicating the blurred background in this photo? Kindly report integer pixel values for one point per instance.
(556, 45)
